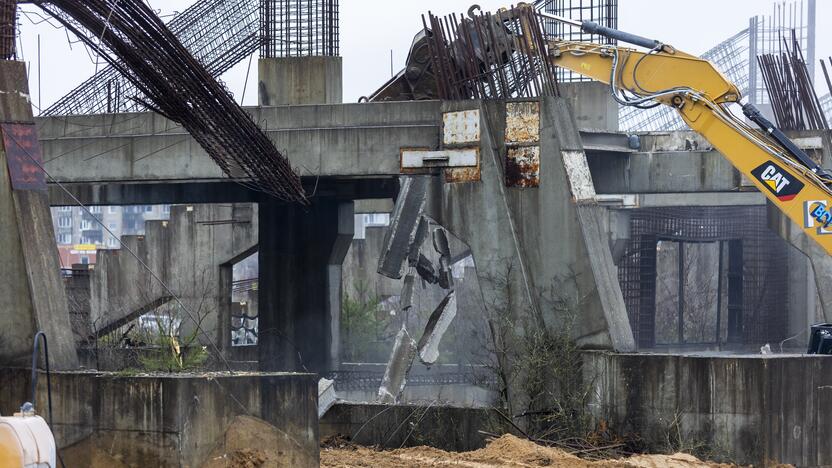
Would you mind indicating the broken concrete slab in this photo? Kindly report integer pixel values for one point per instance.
(435, 329)
(395, 376)
(404, 227)
(326, 396)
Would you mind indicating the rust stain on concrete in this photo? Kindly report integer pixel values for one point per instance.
(523, 166)
(522, 122)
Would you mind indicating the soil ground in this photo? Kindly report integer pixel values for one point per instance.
(507, 451)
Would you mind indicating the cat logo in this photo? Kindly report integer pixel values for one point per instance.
(779, 182)
(816, 214)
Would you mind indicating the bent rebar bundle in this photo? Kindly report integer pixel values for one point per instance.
(132, 38)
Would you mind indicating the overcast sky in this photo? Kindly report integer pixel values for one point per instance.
(371, 28)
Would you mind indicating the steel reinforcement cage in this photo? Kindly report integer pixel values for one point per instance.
(218, 33)
(755, 287)
(299, 28)
(603, 12)
(8, 28)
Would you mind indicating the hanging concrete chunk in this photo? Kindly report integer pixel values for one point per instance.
(441, 244)
(426, 270)
(395, 376)
(418, 240)
(404, 225)
(435, 329)
(406, 297)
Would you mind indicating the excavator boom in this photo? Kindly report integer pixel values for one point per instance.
(702, 95)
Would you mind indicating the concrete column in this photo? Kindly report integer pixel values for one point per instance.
(346, 232)
(32, 295)
(821, 272)
(288, 81)
(299, 248)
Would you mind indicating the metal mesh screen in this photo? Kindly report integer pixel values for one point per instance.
(299, 28)
(603, 12)
(756, 269)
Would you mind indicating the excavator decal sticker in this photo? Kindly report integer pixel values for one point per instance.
(816, 213)
(779, 182)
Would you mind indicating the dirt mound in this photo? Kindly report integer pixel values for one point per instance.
(248, 443)
(507, 451)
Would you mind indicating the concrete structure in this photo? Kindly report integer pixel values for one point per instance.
(544, 242)
(527, 240)
(288, 81)
(193, 254)
(31, 296)
(169, 421)
(591, 105)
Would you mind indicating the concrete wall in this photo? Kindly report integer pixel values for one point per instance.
(745, 409)
(168, 421)
(454, 429)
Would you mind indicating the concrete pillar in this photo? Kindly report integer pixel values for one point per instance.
(288, 81)
(803, 294)
(592, 105)
(301, 249)
(32, 295)
(535, 246)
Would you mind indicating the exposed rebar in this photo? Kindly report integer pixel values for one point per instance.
(132, 38)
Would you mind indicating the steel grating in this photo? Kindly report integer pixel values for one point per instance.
(218, 33)
(759, 290)
(129, 35)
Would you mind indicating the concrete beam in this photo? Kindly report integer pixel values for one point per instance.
(218, 191)
(350, 140)
(658, 200)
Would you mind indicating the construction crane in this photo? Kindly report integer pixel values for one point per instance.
(704, 98)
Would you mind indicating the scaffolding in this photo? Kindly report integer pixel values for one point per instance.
(218, 33)
(299, 28)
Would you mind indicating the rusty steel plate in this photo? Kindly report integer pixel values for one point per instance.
(523, 166)
(23, 156)
(522, 122)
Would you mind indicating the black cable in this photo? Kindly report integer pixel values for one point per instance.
(40, 334)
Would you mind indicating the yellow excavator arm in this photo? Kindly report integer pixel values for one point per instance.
(702, 95)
